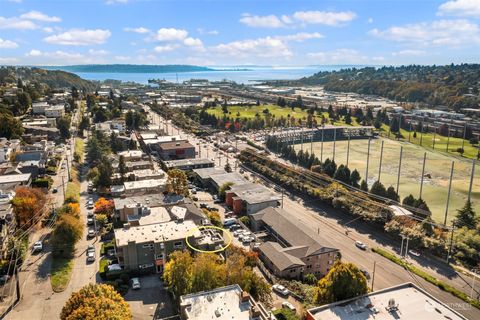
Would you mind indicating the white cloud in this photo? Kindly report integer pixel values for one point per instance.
(262, 47)
(325, 17)
(171, 34)
(193, 42)
(100, 52)
(462, 8)
(34, 53)
(342, 56)
(55, 54)
(270, 21)
(301, 36)
(59, 57)
(109, 2)
(436, 33)
(8, 60)
(39, 16)
(16, 23)
(79, 37)
(47, 29)
(137, 30)
(207, 32)
(122, 58)
(409, 53)
(166, 48)
(7, 44)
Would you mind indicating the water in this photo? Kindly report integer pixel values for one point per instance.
(239, 76)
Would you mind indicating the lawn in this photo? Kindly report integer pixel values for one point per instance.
(79, 149)
(437, 171)
(250, 111)
(73, 187)
(61, 271)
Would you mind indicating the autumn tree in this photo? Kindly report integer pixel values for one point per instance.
(178, 273)
(28, 206)
(209, 272)
(177, 182)
(104, 206)
(343, 281)
(67, 232)
(96, 301)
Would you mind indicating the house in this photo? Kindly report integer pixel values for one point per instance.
(35, 133)
(291, 251)
(189, 164)
(8, 148)
(38, 108)
(407, 300)
(131, 155)
(133, 204)
(176, 150)
(12, 181)
(34, 167)
(250, 198)
(56, 111)
(228, 302)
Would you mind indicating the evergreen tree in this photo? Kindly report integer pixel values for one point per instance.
(364, 185)
(355, 178)
(379, 189)
(466, 216)
(392, 194)
(342, 174)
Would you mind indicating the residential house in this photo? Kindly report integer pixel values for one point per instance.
(145, 186)
(12, 181)
(55, 111)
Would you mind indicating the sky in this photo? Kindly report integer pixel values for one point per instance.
(247, 32)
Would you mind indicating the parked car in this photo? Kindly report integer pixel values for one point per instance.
(280, 289)
(90, 214)
(236, 233)
(90, 256)
(135, 283)
(37, 246)
(90, 221)
(193, 191)
(288, 305)
(114, 267)
(247, 240)
(361, 245)
(91, 233)
(90, 248)
(365, 273)
(414, 253)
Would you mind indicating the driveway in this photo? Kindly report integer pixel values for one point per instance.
(151, 301)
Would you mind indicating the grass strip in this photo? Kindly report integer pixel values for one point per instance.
(442, 285)
(61, 272)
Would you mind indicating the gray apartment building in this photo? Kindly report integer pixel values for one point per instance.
(291, 251)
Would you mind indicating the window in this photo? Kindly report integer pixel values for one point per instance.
(292, 270)
(159, 256)
(148, 245)
(309, 266)
(145, 266)
(178, 245)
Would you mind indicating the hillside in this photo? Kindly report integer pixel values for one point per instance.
(129, 68)
(52, 78)
(456, 86)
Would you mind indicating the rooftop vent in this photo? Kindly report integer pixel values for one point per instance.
(217, 313)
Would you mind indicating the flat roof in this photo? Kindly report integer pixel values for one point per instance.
(233, 177)
(131, 153)
(219, 303)
(180, 144)
(12, 178)
(412, 303)
(159, 232)
(186, 162)
(148, 183)
(150, 200)
(254, 193)
(156, 215)
(205, 173)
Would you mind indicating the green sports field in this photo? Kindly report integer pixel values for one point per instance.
(250, 111)
(438, 166)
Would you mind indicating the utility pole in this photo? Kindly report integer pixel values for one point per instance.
(421, 133)
(401, 246)
(348, 145)
(321, 146)
(95, 227)
(301, 137)
(373, 275)
(464, 134)
(63, 187)
(68, 167)
(368, 159)
(334, 142)
(380, 165)
(434, 134)
(473, 282)
(311, 139)
(283, 191)
(471, 179)
(399, 168)
(451, 242)
(448, 196)
(410, 130)
(406, 248)
(423, 173)
(448, 137)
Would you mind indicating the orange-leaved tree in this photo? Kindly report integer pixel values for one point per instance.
(29, 205)
(104, 206)
(96, 301)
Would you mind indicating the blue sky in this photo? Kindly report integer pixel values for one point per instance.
(228, 32)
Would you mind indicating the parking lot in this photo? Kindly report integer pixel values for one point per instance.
(151, 301)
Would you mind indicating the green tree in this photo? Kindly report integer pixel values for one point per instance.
(223, 189)
(342, 174)
(209, 272)
(177, 182)
(96, 301)
(355, 178)
(24, 102)
(104, 174)
(466, 217)
(364, 185)
(122, 168)
(378, 189)
(392, 194)
(63, 125)
(11, 127)
(409, 201)
(343, 281)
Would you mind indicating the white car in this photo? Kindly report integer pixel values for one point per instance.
(114, 267)
(90, 221)
(90, 256)
(37, 246)
(280, 289)
(361, 245)
(91, 233)
(135, 283)
(288, 305)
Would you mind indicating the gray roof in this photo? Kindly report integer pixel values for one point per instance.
(292, 231)
(149, 200)
(254, 193)
(231, 177)
(205, 173)
(279, 257)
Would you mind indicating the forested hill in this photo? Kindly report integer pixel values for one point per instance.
(52, 78)
(130, 68)
(456, 86)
